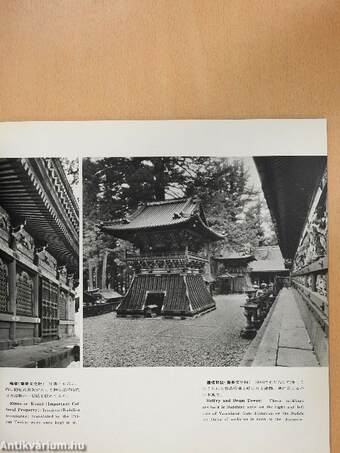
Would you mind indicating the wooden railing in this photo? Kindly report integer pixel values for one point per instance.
(168, 255)
(166, 262)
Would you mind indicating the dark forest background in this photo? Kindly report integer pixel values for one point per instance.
(113, 187)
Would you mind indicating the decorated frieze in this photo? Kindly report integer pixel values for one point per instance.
(52, 171)
(311, 257)
(24, 302)
(309, 281)
(316, 282)
(321, 284)
(167, 263)
(62, 305)
(62, 274)
(314, 242)
(5, 226)
(300, 279)
(4, 288)
(23, 243)
(47, 262)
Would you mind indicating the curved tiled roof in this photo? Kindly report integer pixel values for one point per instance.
(269, 259)
(235, 257)
(164, 214)
(265, 259)
(267, 266)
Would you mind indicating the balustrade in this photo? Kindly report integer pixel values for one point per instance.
(166, 261)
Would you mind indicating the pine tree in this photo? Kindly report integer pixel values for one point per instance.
(113, 187)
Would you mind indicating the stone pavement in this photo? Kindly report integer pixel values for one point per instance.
(283, 339)
(52, 354)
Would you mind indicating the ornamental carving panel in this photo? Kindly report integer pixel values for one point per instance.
(321, 284)
(5, 226)
(314, 243)
(47, 262)
(309, 282)
(24, 294)
(71, 308)
(300, 279)
(176, 262)
(49, 309)
(62, 306)
(62, 272)
(24, 243)
(4, 290)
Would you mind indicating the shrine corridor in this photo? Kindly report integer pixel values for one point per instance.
(210, 340)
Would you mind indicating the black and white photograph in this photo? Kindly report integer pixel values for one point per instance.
(40, 320)
(204, 261)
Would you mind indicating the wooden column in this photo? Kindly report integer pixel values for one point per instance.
(208, 257)
(36, 303)
(59, 327)
(67, 313)
(12, 284)
(104, 269)
(73, 314)
(96, 275)
(90, 282)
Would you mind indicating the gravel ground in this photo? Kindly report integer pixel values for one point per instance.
(209, 340)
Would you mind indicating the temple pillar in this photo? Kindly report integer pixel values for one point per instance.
(104, 269)
(68, 314)
(90, 282)
(36, 303)
(96, 275)
(12, 284)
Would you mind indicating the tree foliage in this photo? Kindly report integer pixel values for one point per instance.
(113, 187)
(71, 169)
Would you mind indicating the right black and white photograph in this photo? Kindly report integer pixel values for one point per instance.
(203, 261)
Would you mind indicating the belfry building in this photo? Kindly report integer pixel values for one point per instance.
(172, 260)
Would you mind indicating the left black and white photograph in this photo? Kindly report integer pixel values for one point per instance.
(39, 262)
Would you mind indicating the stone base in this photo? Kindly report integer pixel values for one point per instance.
(172, 295)
(28, 341)
(55, 354)
(10, 344)
(5, 344)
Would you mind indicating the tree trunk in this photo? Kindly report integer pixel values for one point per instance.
(160, 178)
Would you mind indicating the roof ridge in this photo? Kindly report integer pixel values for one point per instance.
(169, 201)
(166, 217)
(267, 247)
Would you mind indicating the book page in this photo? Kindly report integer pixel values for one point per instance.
(163, 286)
